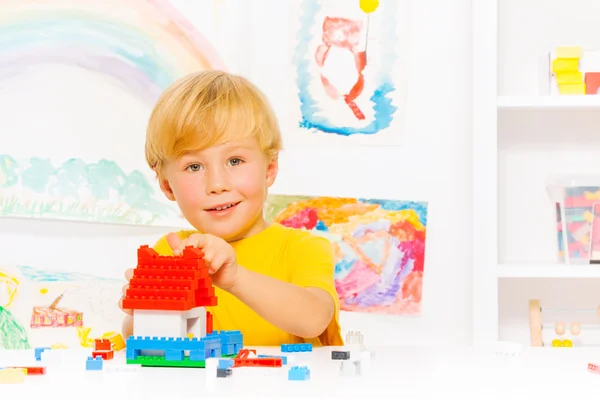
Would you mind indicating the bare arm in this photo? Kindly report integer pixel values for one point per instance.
(303, 312)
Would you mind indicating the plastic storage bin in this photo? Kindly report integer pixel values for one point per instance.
(577, 201)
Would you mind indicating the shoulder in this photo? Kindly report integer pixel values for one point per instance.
(162, 246)
(302, 245)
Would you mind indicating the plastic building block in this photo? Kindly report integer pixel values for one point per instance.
(578, 88)
(158, 361)
(170, 282)
(296, 348)
(39, 351)
(32, 370)
(283, 358)
(568, 52)
(12, 375)
(104, 354)
(225, 363)
(561, 65)
(245, 353)
(231, 341)
(102, 344)
(297, 373)
(209, 323)
(592, 82)
(223, 373)
(92, 364)
(135, 344)
(340, 355)
(569, 78)
(258, 362)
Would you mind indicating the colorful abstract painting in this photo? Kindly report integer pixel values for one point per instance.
(78, 80)
(39, 308)
(349, 70)
(379, 247)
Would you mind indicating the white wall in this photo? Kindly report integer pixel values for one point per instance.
(433, 165)
(534, 145)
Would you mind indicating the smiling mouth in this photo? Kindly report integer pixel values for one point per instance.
(223, 207)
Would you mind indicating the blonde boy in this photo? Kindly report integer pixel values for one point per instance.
(213, 142)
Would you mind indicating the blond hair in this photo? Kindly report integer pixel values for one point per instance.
(206, 109)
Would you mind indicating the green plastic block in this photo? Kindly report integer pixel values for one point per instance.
(158, 361)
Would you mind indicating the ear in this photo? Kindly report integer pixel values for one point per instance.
(272, 170)
(165, 187)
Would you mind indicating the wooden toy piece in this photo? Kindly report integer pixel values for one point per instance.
(575, 328)
(12, 375)
(535, 323)
(592, 82)
(560, 328)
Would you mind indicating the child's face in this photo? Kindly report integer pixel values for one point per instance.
(221, 190)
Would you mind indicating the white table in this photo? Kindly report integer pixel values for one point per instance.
(402, 373)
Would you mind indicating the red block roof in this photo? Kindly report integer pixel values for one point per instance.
(170, 282)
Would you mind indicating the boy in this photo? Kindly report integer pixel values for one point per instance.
(213, 141)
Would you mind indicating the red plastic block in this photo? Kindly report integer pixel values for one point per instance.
(242, 354)
(209, 323)
(33, 370)
(102, 344)
(592, 82)
(177, 283)
(105, 354)
(258, 362)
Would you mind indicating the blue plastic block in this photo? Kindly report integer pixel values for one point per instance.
(296, 348)
(39, 351)
(283, 358)
(231, 341)
(210, 346)
(297, 373)
(174, 355)
(225, 363)
(94, 364)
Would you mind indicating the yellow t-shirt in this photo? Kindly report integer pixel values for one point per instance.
(288, 254)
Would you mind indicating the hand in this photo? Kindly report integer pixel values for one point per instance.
(128, 276)
(218, 255)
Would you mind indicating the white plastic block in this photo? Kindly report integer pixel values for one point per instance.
(170, 323)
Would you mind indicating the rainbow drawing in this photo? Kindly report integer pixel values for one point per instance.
(379, 247)
(143, 44)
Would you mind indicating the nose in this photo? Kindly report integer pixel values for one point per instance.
(217, 181)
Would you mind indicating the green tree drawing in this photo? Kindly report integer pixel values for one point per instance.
(12, 335)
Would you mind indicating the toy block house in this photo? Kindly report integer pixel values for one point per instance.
(168, 294)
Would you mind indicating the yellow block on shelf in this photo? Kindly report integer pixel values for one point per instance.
(569, 78)
(578, 88)
(565, 65)
(568, 52)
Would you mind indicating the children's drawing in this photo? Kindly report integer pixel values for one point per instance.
(43, 308)
(78, 80)
(347, 62)
(379, 247)
(76, 190)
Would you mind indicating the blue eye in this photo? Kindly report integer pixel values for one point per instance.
(194, 167)
(235, 162)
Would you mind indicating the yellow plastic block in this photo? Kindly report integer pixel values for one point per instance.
(568, 52)
(578, 88)
(115, 339)
(569, 78)
(565, 65)
(12, 375)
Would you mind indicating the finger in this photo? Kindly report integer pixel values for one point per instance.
(129, 274)
(216, 263)
(126, 311)
(175, 242)
(198, 240)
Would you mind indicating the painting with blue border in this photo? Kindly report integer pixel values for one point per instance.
(344, 59)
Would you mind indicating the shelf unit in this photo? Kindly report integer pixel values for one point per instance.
(495, 116)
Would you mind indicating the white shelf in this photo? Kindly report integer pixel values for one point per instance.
(566, 102)
(548, 270)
